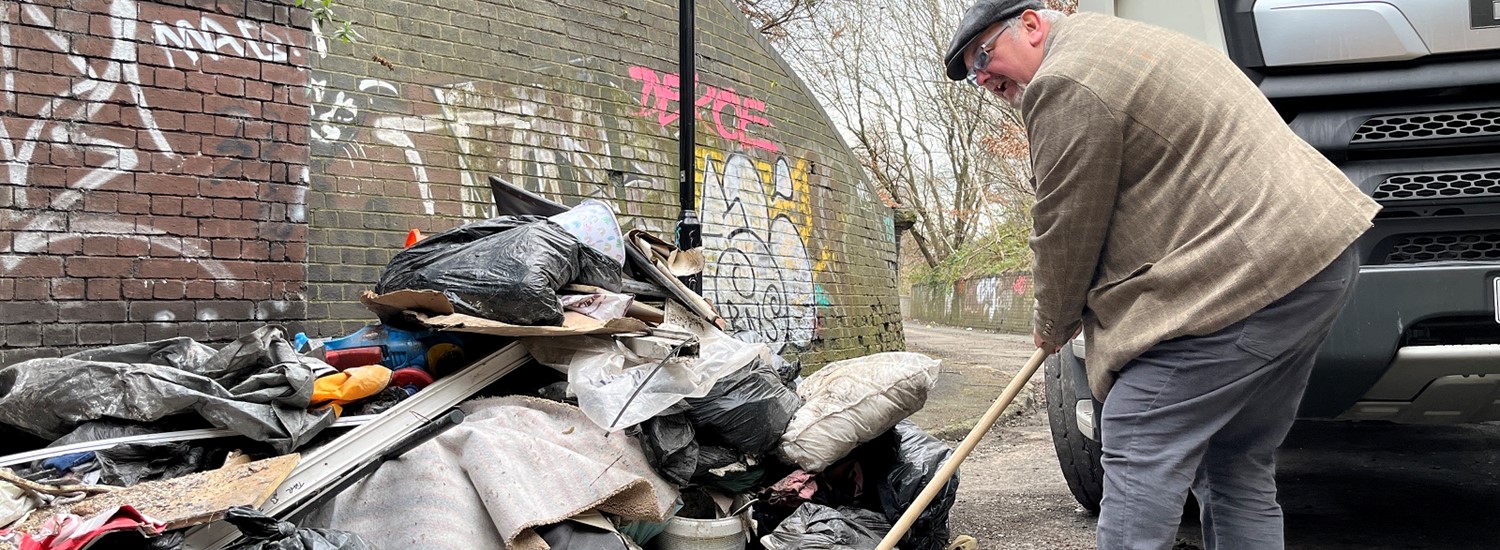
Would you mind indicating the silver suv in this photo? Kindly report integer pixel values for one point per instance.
(1404, 96)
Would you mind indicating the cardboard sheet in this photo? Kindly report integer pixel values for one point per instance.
(431, 309)
(185, 501)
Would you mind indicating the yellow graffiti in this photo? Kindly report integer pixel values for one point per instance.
(797, 208)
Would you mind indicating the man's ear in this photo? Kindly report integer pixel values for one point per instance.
(1032, 22)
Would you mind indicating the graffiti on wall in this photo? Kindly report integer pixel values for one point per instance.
(1000, 302)
(333, 111)
(89, 129)
(211, 36)
(757, 218)
(732, 116)
(757, 215)
(994, 296)
(459, 134)
(94, 82)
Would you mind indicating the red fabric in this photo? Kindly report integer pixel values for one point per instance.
(70, 532)
(794, 489)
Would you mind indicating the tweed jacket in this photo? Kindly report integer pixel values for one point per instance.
(1171, 198)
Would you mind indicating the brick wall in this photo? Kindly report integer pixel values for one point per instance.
(576, 99)
(150, 164)
(201, 168)
(1002, 303)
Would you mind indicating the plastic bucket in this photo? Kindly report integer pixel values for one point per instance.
(702, 534)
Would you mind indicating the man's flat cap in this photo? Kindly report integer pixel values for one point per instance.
(978, 18)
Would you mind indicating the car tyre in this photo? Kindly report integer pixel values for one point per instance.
(1076, 453)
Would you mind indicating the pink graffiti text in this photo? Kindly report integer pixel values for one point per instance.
(661, 95)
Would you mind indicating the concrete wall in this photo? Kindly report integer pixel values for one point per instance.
(202, 168)
(1002, 303)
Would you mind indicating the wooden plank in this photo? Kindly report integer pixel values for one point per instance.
(188, 500)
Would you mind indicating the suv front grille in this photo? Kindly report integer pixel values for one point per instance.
(1432, 247)
(1424, 126)
(1439, 185)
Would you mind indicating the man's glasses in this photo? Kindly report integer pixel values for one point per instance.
(982, 57)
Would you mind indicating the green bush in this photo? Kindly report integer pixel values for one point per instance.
(1002, 250)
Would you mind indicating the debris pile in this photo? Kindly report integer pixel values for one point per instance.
(536, 380)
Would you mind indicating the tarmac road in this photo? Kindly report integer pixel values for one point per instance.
(1343, 486)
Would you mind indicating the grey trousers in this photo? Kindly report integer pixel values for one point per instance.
(1206, 413)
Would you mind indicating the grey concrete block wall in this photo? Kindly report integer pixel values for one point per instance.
(1001, 303)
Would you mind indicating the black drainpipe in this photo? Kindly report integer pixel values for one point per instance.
(689, 230)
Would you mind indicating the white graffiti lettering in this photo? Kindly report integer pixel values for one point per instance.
(759, 275)
(211, 38)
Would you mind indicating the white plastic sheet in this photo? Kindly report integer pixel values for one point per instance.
(14, 504)
(603, 374)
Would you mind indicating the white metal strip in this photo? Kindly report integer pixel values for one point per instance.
(164, 437)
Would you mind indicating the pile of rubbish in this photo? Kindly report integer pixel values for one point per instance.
(536, 380)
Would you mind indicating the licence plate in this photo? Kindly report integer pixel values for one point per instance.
(1497, 299)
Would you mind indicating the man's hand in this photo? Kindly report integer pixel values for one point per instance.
(1044, 345)
(1050, 347)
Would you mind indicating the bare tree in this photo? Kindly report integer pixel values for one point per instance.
(774, 17)
(948, 152)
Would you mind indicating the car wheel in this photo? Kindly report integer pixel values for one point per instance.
(1077, 454)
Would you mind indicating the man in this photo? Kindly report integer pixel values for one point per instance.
(1202, 248)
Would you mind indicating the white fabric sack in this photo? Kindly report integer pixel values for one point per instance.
(852, 401)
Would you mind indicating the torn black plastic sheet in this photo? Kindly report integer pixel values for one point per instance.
(257, 386)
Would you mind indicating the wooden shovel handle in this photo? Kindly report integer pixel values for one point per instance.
(941, 478)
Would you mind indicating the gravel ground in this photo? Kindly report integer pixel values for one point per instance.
(1343, 486)
(1011, 492)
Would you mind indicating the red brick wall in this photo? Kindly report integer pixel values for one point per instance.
(153, 159)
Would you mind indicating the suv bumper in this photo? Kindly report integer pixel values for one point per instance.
(1435, 385)
(1363, 372)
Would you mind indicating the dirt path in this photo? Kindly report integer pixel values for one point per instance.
(1011, 493)
(1343, 486)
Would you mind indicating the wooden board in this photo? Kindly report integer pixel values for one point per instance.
(192, 499)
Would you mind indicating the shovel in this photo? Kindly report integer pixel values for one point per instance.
(941, 478)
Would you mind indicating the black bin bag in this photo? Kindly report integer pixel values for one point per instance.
(267, 533)
(748, 409)
(667, 439)
(506, 268)
(918, 458)
(817, 527)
